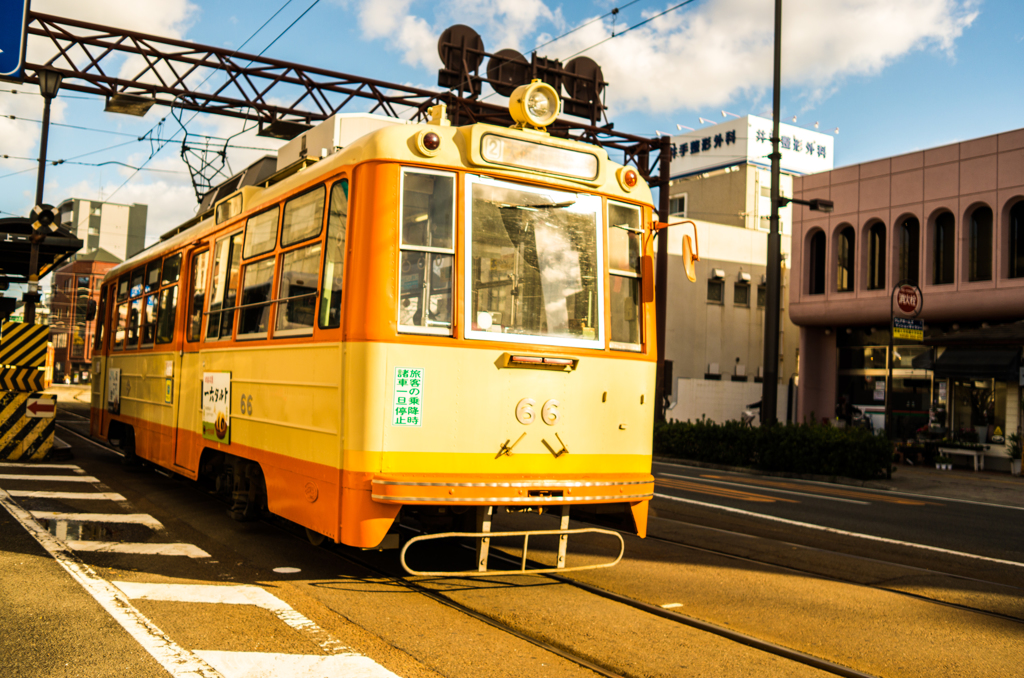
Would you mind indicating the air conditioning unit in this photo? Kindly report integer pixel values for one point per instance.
(713, 368)
(718, 274)
(744, 277)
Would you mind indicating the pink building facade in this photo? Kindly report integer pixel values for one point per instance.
(948, 219)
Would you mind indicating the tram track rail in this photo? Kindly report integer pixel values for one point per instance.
(352, 556)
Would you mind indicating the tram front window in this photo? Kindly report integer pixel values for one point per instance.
(534, 265)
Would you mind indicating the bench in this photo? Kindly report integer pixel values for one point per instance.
(979, 455)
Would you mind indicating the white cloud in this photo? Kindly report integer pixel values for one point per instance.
(702, 55)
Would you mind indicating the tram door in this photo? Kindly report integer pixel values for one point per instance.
(188, 384)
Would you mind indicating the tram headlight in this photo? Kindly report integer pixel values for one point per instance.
(536, 104)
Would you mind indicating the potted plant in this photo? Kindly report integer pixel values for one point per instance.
(943, 462)
(1013, 448)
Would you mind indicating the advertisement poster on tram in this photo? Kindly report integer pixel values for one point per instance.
(217, 406)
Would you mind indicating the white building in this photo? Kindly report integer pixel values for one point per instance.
(118, 229)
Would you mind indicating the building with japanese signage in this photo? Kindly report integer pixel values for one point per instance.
(950, 221)
(714, 338)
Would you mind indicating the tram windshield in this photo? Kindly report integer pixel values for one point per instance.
(533, 270)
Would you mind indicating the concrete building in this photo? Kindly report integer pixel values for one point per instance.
(118, 229)
(73, 285)
(949, 220)
(714, 339)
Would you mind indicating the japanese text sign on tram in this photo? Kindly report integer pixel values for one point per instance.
(217, 406)
(13, 24)
(408, 403)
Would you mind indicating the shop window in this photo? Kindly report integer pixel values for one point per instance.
(910, 231)
(254, 314)
(225, 287)
(334, 256)
(980, 246)
(296, 291)
(816, 264)
(876, 256)
(845, 256)
(945, 246)
(303, 217)
(624, 275)
(1017, 240)
(198, 289)
(427, 252)
(260, 233)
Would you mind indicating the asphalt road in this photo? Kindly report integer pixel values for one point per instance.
(878, 582)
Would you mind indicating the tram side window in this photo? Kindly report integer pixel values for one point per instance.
(198, 289)
(260, 233)
(153, 276)
(225, 286)
(303, 217)
(149, 320)
(167, 301)
(296, 291)
(624, 263)
(131, 339)
(427, 252)
(334, 256)
(122, 289)
(254, 316)
(101, 319)
(122, 326)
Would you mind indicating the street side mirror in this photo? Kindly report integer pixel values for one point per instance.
(90, 310)
(689, 257)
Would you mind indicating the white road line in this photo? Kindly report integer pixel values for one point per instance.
(833, 530)
(60, 479)
(235, 595)
(14, 464)
(672, 606)
(84, 496)
(136, 548)
(761, 488)
(127, 518)
(267, 664)
(177, 661)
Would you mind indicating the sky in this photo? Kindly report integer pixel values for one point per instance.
(893, 76)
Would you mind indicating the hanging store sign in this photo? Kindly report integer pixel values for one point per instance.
(909, 300)
(908, 328)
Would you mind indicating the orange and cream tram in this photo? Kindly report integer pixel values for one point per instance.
(434, 320)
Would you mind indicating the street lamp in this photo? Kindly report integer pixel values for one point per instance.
(770, 386)
(49, 84)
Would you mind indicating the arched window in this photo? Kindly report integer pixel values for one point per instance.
(980, 248)
(844, 251)
(816, 264)
(945, 245)
(1017, 240)
(876, 256)
(909, 245)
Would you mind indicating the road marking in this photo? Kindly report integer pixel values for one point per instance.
(135, 548)
(261, 664)
(672, 606)
(721, 492)
(130, 518)
(56, 479)
(235, 595)
(177, 661)
(833, 530)
(714, 479)
(69, 467)
(85, 496)
(838, 491)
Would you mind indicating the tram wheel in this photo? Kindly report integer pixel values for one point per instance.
(315, 538)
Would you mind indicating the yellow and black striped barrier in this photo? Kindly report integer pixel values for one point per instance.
(27, 422)
(27, 425)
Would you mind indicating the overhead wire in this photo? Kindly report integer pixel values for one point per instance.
(637, 25)
(614, 11)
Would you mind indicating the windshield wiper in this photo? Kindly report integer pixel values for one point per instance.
(544, 206)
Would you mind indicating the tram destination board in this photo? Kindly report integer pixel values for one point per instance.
(908, 328)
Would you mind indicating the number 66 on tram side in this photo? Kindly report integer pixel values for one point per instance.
(434, 321)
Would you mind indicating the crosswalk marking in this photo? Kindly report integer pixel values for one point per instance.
(77, 496)
(144, 549)
(56, 479)
(13, 464)
(261, 664)
(128, 518)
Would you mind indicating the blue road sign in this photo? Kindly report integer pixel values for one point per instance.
(13, 20)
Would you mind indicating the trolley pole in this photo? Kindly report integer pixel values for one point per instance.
(773, 301)
(661, 275)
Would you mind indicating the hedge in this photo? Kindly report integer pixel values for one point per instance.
(811, 449)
